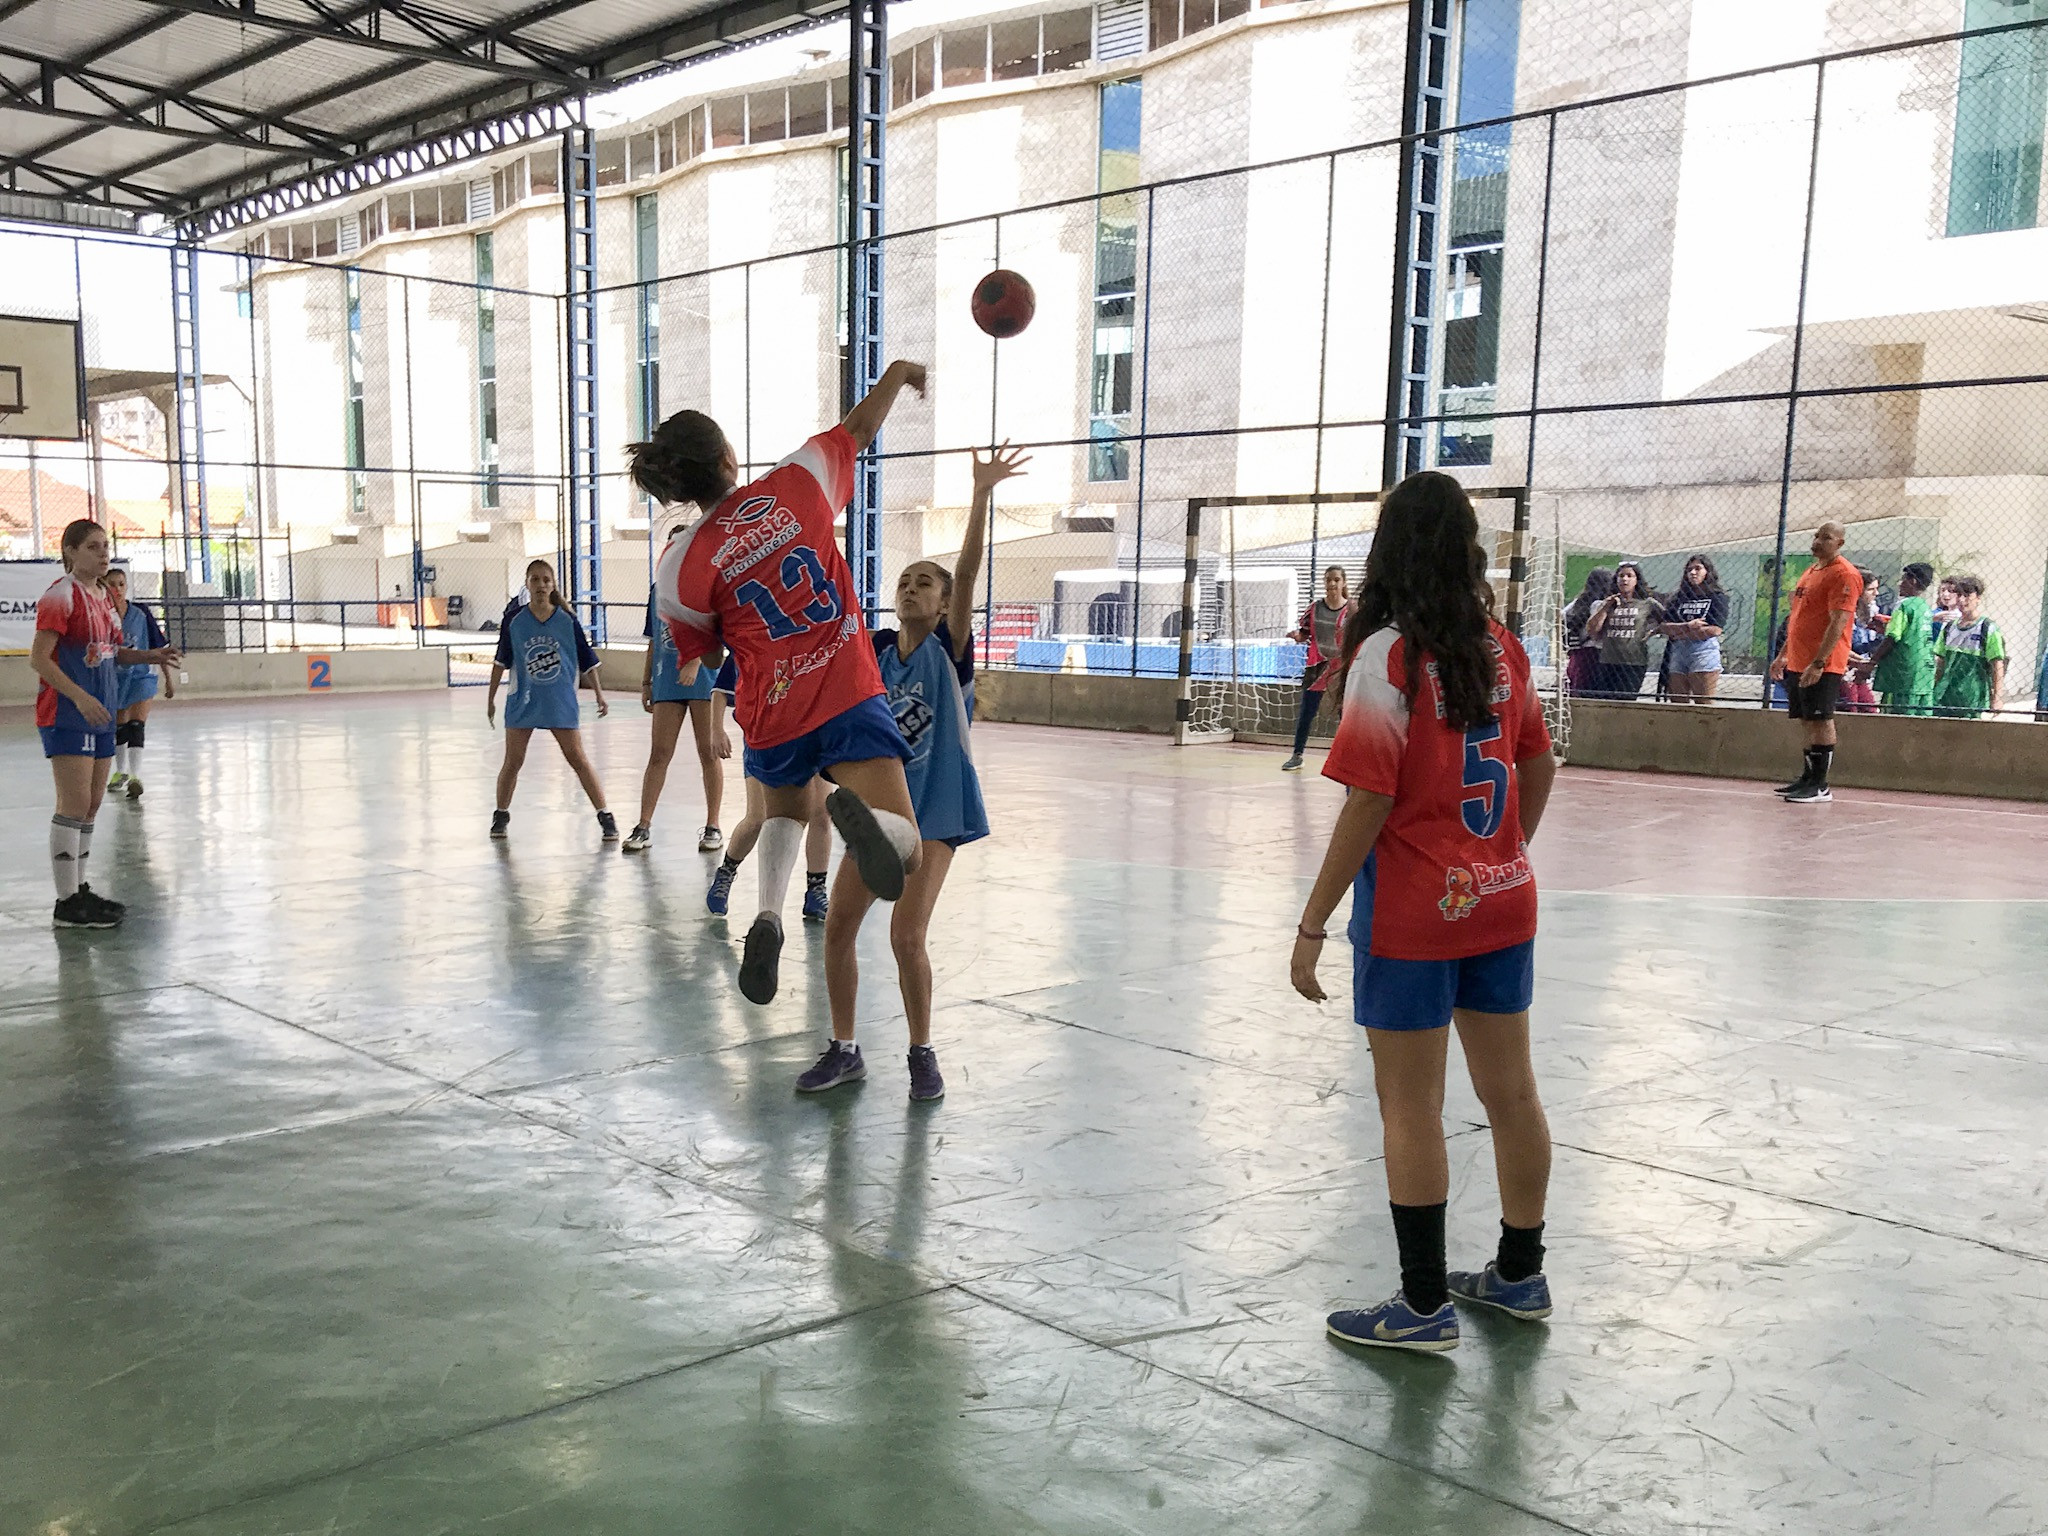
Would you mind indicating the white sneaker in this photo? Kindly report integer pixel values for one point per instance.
(711, 841)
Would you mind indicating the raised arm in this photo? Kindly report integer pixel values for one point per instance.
(1001, 464)
(865, 420)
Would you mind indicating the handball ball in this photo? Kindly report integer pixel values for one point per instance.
(1003, 303)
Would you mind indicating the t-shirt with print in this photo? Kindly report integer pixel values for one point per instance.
(1908, 667)
(1710, 609)
(88, 639)
(1625, 639)
(1966, 652)
(1449, 875)
(1823, 591)
(763, 573)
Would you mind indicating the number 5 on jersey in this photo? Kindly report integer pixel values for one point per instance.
(1485, 803)
(800, 567)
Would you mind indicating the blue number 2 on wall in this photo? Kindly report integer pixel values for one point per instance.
(1486, 783)
(797, 565)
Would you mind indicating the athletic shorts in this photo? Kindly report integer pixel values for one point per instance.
(1690, 656)
(867, 730)
(62, 741)
(1420, 994)
(135, 687)
(1815, 703)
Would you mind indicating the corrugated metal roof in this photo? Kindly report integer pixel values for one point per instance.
(185, 107)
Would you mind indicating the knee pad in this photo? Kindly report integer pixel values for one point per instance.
(135, 732)
(121, 729)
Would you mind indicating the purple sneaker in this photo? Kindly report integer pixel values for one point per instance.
(841, 1063)
(925, 1082)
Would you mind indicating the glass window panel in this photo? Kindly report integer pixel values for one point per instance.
(807, 110)
(454, 205)
(692, 133)
(902, 80)
(1227, 10)
(611, 162)
(2001, 103)
(398, 210)
(837, 93)
(640, 154)
(728, 122)
(1069, 40)
(1165, 22)
(925, 57)
(767, 118)
(963, 57)
(1013, 49)
(544, 172)
(1197, 16)
(426, 209)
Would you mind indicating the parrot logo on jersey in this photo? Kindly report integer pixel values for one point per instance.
(1460, 899)
(543, 660)
(779, 689)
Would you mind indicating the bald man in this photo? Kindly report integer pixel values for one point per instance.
(1815, 656)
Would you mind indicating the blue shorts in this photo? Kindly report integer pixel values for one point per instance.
(1689, 656)
(135, 687)
(868, 730)
(63, 741)
(1420, 994)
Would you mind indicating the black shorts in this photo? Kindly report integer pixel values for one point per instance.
(1815, 703)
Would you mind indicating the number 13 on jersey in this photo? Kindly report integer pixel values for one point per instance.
(787, 613)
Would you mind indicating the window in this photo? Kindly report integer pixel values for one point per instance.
(808, 112)
(963, 57)
(352, 434)
(2001, 103)
(1468, 360)
(487, 368)
(642, 158)
(1013, 49)
(1173, 20)
(728, 122)
(1116, 284)
(544, 174)
(1068, 41)
(647, 327)
(767, 118)
(611, 162)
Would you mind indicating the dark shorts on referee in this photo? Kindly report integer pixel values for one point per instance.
(1816, 702)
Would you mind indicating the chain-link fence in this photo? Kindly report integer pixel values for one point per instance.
(1727, 282)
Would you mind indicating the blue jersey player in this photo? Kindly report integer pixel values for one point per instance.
(671, 700)
(77, 654)
(544, 648)
(927, 665)
(137, 684)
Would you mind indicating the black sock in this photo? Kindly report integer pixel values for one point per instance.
(729, 865)
(1419, 1234)
(1818, 761)
(814, 879)
(1521, 1252)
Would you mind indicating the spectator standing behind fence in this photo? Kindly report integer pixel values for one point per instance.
(1858, 697)
(1947, 607)
(1969, 660)
(1623, 625)
(1814, 656)
(1694, 617)
(1582, 656)
(1321, 629)
(1901, 664)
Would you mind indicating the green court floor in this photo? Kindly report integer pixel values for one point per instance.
(378, 1178)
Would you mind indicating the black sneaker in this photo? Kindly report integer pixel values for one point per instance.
(118, 908)
(608, 826)
(79, 910)
(925, 1082)
(761, 960)
(500, 820)
(1809, 794)
(1797, 784)
(880, 865)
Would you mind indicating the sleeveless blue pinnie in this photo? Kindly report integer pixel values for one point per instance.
(666, 689)
(139, 632)
(930, 706)
(547, 661)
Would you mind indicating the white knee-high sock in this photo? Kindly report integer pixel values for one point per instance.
(84, 848)
(135, 759)
(901, 832)
(64, 855)
(120, 755)
(781, 844)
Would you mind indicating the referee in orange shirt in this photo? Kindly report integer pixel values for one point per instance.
(1815, 657)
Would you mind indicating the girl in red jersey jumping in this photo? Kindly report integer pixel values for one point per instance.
(760, 573)
(1448, 763)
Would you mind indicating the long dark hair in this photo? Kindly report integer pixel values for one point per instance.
(1426, 577)
(1711, 586)
(1599, 584)
(1643, 589)
(683, 461)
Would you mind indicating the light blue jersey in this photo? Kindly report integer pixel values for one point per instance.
(139, 632)
(547, 661)
(930, 707)
(666, 689)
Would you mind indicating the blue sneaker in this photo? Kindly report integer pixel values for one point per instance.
(721, 888)
(841, 1063)
(816, 903)
(1527, 1299)
(1393, 1324)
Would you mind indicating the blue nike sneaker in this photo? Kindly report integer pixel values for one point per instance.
(721, 888)
(1527, 1299)
(816, 903)
(1393, 1324)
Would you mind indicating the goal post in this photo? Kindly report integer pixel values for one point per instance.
(1230, 660)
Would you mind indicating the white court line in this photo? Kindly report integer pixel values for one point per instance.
(1879, 901)
(1944, 802)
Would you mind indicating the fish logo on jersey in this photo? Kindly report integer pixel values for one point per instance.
(1460, 899)
(752, 510)
(543, 660)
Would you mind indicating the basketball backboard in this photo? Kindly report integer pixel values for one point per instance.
(42, 379)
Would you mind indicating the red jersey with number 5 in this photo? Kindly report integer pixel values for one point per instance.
(763, 574)
(1449, 876)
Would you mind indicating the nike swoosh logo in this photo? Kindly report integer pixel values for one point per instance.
(1380, 1330)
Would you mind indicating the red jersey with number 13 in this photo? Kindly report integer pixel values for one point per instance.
(1449, 875)
(763, 574)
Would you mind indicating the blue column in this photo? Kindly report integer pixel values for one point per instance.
(868, 96)
(579, 222)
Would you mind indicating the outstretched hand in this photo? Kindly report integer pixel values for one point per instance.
(1002, 464)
